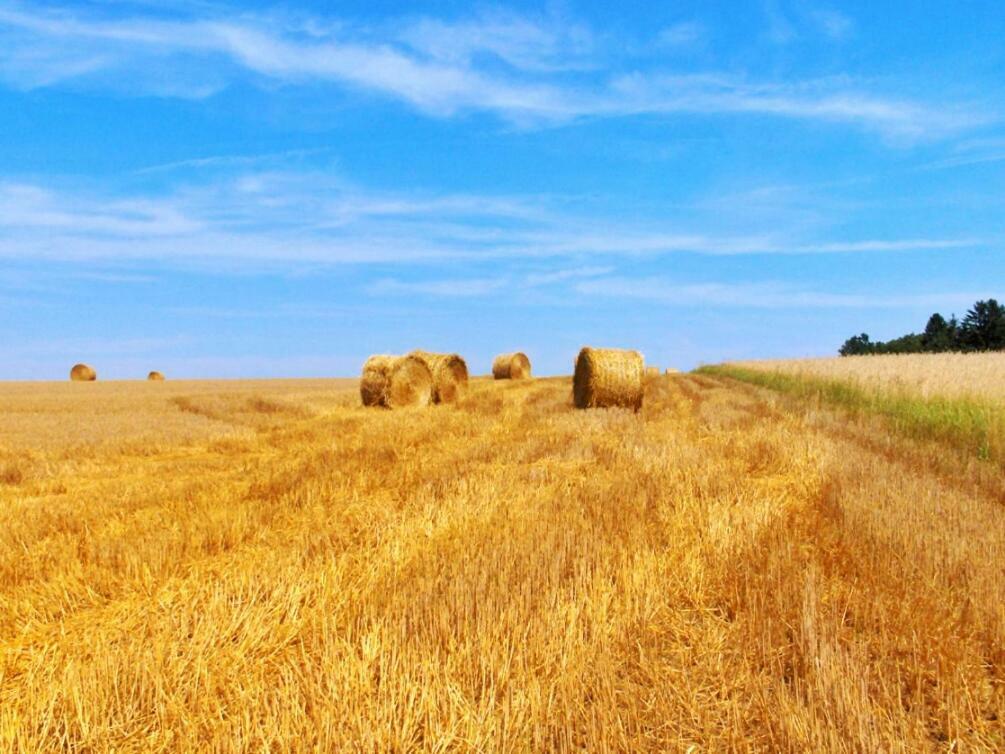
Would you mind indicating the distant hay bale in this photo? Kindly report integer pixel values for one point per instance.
(396, 382)
(511, 366)
(83, 373)
(155, 377)
(608, 377)
(450, 375)
(671, 370)
(652, 372)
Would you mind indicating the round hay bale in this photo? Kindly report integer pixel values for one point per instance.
(396, 382)
(671, 370)
(155, 377)
(511, 366)
(608, 377)
(450, 375)
(652, 372)
(83, 373)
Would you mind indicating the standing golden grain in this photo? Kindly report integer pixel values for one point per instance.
(608, 377)
(511, 366)
(396, 382)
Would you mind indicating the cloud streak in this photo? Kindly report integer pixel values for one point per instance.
(296, 221)
(771, 295)
(523, 70)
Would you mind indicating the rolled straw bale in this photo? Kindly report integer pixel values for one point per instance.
(396, 382)
(450, 375)
(671, 370)
(155, 377)
(608, 377)
(83, 373)
(511, 366)
(652, 372)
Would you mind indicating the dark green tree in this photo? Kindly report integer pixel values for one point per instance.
(983, 329)
(939, 334)
(857, 345)
(910, 343)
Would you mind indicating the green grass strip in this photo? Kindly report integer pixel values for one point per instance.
(976, 427)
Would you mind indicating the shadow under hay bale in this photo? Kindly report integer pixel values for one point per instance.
(511, 366)
(450, 375)
(607, 377)
(83, 373)
(396, 382)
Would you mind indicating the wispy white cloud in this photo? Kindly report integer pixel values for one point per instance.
(971, 152)
(515, 67)
(786, 24)
(459, 288)
(681, 34)
(230, 161)
(525, 43)
(300, 220)
(763, 295)
(832, 23)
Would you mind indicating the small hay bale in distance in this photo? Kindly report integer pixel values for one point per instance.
(511, 366)
(671, 370)
(83, 373)
(396, 382)
(652, 372)
(155, 377)
(450, 375)
(608, 377)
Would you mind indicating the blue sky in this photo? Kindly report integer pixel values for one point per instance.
(215, 189)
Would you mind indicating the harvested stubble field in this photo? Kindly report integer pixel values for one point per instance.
(271, 567)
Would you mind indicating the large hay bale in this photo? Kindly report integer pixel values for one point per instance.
(155, 377)
(608, 377)
(450, 375)
(396, 382)
(511, 366)
(83, 373)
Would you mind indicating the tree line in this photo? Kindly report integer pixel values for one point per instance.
(982, 329)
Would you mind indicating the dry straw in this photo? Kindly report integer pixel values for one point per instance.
(608, 377)
(671, 370)
(450, 375)
(511, 366)
(155, 377)
(83, 373)
(396, 382)
(652, 372)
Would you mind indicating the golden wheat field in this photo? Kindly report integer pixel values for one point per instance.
(966, 375)
(269, 566)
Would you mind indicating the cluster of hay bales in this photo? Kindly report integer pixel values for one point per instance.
(450, 375)
(418, 379)
(606, 377)
(511, 366)
(396, 382)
